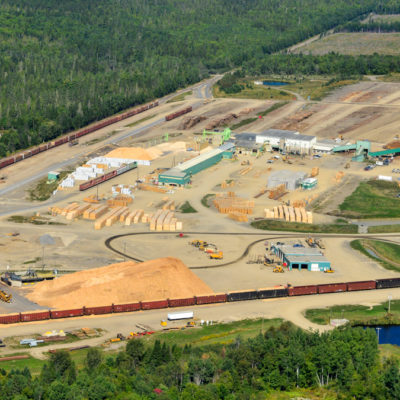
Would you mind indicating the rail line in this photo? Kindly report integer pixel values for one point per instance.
(247, 249)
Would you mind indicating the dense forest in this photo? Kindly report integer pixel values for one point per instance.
(344, 363)
(66, 63)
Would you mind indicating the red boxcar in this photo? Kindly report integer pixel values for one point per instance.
(9, 319)
(98, 310)
(361, 285)
(19, 157)
(66, 313)
(35, 151)
(178, 113)
(126, 307)
(182, 302)
(332, 288)
(212, 298)
(302, 290)
(36, 316)
(43, 147)
(154, 304)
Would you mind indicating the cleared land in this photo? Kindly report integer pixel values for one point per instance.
(358, 314)
(372, 199)
(354, 43)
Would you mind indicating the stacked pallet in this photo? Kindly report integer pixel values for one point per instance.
(229, 203)
(169, 205)
(95, 212)
(164, 220)
(77, 212)
(289, 214)
(91, 199)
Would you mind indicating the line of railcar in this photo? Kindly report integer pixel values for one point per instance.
(233, 296)
(71, 137)
(178, 113)
(107, 176)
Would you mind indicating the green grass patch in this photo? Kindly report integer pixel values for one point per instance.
(246, 121)
(384, 228)
(372, 199)
(273, 225)
(104, 137)
(44, 188)
(357, 314)
(180, 97)
(206, 199)
(389, 252)
(212, 334)
(34, 261)
(186, 208)
(251, 91)
(141, 120)
(20, 219)
(389, 350)
(274, 107)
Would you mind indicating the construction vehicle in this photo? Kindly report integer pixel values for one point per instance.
(5, 297)
(320, 243)
(329, 271)
(197, 243)
(347, 166)
(217, 256)
(310, 241)
(278, 269)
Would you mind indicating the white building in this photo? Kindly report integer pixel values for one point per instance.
(290, 141)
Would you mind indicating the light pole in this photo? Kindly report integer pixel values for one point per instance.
(389, 298)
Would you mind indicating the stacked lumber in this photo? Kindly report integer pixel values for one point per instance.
(110, 217)
(289, 214)
(314, 172)
(119, 201)
(339, 176)
(169, 205)
(229, 203)
(238, 217)
(226, 184)
(245, 171)
(277, 192)
(91, 199)
(77, 212)
(151, 188)
(163, 220)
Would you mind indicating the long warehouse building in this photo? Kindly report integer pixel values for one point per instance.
(182, 173)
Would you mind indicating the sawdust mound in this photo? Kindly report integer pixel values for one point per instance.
(134, 153)
(120, 283)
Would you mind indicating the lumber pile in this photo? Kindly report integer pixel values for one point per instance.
(164, 220)
(110, 217)
(238, 217)
(289, 214)
(119, 201)
(189, 122)
(226, 120)
(91, 199)
(226, 184)
(229, 203)
(339, 176)
(314, 172)
(151, 188)
(277, 192)
(245, 171)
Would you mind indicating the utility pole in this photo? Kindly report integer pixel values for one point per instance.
(377, 330)
(389, 298)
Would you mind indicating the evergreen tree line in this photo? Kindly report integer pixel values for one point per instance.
(342, 362)
(372, 26)
(344, 66)
(64, 64)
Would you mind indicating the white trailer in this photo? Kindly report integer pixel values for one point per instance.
(180, 315)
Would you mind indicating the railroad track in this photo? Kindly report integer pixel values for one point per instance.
(108, 242)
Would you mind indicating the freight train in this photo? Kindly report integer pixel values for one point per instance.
(178, 113)
(72, 137)
(107, 176)
(267, 293)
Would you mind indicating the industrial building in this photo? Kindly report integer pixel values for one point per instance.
(182, 173)
(291, 179)
(301, 258)
(289, 141)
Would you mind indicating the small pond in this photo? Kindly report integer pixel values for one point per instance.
(388, 334)
(275, 83)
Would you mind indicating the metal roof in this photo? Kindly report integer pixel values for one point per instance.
(282, 134)
(246, 136)
(174, 172)
(299, 251)
(306, 259)
(384, 152)
(227, 146)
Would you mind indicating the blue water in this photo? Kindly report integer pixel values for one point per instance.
(275, 83)
(389, 334)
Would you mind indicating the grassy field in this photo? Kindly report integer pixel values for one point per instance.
(354, 43)
(372, 199)
(141, 120)
(186, 208)
(273, 225)
(44, 189)
(180, 97)
(357, 314)
(258, 92)
(20, 219)
(387, 254)
(384, 228)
